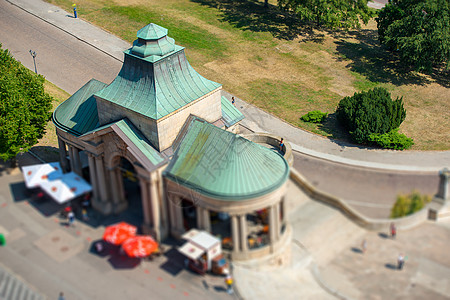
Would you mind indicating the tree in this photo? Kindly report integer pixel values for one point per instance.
(24, 107)
(370, 115)
(418, 30)
(330, 13)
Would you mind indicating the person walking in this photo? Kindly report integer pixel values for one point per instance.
(61, 296)
(364, 246)
(400, 261)
(393, 230)
(229, 283)
(71, 217)
(281, 145)
(233, 101)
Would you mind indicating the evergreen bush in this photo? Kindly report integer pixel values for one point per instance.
(371, 112)
(315, 116)
(392, 140)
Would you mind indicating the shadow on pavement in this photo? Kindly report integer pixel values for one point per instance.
(356, 250)
(391, 266)
(175, 262)
(119, 261)
(383, 235)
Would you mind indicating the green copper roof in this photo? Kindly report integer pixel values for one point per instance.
(225, 166)
(137, 144)
(78, 114)
(230, 113)
(142, 149)
(156, 89)
(153, 41)
(156, 85)
(152, 32)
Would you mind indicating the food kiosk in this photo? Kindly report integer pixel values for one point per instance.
(203, 252)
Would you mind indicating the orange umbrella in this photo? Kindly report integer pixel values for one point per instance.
(118, 233)
(139, 246)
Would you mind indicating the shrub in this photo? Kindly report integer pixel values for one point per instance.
(315, 116)
(409, 204)
(392, 140)
(371, 112)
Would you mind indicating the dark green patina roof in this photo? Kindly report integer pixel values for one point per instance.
(137, 144)
(230, 113)
(78, 114)
(156, 85)
(225, 166)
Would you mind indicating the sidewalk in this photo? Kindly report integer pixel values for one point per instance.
(256, 119)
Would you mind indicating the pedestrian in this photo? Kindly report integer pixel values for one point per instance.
(229, 283)
(71, 217)
(84, 214)
(400, 261)
(393, 230)
(364, 246)
(61, 296)
(233, 101)
(281, 145)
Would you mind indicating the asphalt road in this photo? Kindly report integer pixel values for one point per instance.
(69, 63)
(61, 58)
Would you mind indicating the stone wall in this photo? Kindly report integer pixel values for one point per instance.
(208, 107)
(368, 223)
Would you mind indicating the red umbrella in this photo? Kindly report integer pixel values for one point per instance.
(139, 246)
(118, 233)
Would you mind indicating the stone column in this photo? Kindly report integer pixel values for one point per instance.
(235, 234)
(63, 155)
(163, 201)
(72, 162)
(176, 215)
(206, 220)
(155, 206)
(102, 202)
(145, 203)
(243, 232)
(93, 176)
(277, 220)
(199, 212)
(272, 226)
(77, 161)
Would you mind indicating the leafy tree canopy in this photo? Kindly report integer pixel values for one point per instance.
(330, 13)
(24, 107)
(419, 30)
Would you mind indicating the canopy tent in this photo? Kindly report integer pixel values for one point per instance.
(140, 246)
(67, 187)
(35, 175)
(118, 233)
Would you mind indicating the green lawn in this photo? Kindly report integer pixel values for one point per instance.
(284, 67)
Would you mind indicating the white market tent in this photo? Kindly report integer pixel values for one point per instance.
(198, 243)
(67, 187)
(35, 175)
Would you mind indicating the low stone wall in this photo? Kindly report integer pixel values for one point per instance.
(273, 140)
(368, 223)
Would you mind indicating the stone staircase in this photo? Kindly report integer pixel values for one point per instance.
(12, 288)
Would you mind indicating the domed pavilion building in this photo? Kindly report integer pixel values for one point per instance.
(161, 139)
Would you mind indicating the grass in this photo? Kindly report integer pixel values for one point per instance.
(273, 61)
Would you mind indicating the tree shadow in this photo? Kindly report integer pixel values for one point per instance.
(338, 133)
(372, 60)
(253, 16)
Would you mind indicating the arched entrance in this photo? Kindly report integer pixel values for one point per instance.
(131, 191)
